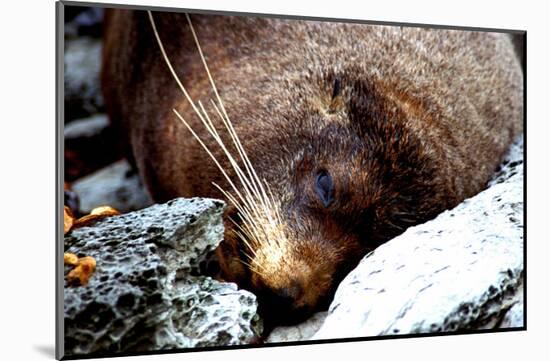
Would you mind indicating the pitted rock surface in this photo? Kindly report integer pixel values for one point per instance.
(147, 292)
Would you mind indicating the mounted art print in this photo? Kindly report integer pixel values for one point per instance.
(231, 180)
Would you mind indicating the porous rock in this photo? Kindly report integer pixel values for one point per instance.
(147, 292)
(115, 185)
(461, 271)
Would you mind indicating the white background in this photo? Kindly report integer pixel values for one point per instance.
(27, 185)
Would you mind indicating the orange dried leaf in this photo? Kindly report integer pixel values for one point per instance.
(105, 211)
(83, 271)
(88, 262)
(86, 220)
(95, 215)
(70, 259)
(68, 219)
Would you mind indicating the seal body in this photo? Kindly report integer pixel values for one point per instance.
(358, 131)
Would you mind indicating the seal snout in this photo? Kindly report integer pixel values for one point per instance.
(292, 292)
(283, 305)
(287, 297)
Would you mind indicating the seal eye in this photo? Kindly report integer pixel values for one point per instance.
(324, 188)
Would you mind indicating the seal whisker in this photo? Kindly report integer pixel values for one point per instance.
(256, 230)
(247, 232)
(227, 123)
(242, 209)
(243, 236)
(244, 214)
(222, 107)
(279, 220)
(251, 267)
(250, 169)
(190, 100)
(237, 143)
(261, 194)
(254, 260)
(261, 232)
(211, 155)
(240, 174)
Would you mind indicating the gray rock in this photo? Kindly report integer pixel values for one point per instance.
(86, 127)
(462, 270)
(147, 292)
(82, 86)
(115, 185)
(88, 22)
(514, 316)
(301, 332)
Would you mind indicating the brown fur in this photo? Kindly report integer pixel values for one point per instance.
(420, 122)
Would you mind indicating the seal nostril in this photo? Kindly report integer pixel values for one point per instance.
(281, 306)
(288, 295)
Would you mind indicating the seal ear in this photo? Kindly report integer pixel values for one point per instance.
(337, 101)
(336, 88)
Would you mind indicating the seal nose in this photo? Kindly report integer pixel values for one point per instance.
(287, 296)
(283, 306)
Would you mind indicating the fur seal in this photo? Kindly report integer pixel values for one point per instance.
(347, 134)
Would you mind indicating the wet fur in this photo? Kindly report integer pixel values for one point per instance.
(418, 122)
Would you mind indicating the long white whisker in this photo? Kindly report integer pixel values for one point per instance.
(238, 146)
(210, 154)
(169, 64)
(245, 238)
(186, 94)
(240, 174)
(248, 165)
(251, 229)
(248, 221)
(246, 160)
(272, 198)
(244, 212)
(255, 203)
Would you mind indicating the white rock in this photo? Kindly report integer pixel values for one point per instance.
(300, 332)
(87, 127)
